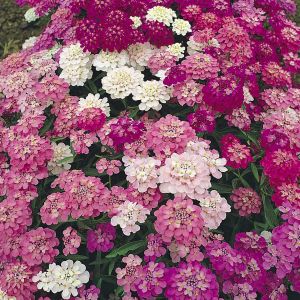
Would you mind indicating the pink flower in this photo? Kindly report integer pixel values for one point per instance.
(169, 135)
(188, 92)
(110, 166)
(81, 141)
(191, 281)
(151, 281)
(91, 119)
(240, 291)
(273, 74)
(202, 120)
(236, 154)
(213, 209)
(71, 241)
(55, 209)
(184, 174)
(200, 66)
(281, 165)
(16, 279)
(154, 247)
(287, 193)
(161, 60)
(101, 239)
(178, 220)
(37, 246)
(142, 173)
(246, 201)
(15, 216)
(51, 88)
(127, 276)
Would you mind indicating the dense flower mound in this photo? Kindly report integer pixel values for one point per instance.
(149, 149)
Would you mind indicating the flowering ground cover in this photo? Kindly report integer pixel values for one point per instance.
(150, 150)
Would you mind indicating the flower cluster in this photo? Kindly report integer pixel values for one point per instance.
(150, 149)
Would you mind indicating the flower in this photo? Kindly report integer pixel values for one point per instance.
(139, 55)
(106, 61)
(91, 119)
(110, 166)
(202, 120)
(127, 276)
(184, 174)
(16, 279)
(76, 65)
(246, 201)
(142, 173)
(155, 247)
(94, 101)
(37, 246)
(71, 241)
(236, 154)
(121, 82)
(177, 50)
(31, 15)
(178, 220)
(200, 66)
(161, 14)
(191, 281)
(101, 239)
(61, 159)
(213, 209)
(66, 278)
(128, 215)
(151, 94)
(181, 27)
(151, 281)
(169, 135)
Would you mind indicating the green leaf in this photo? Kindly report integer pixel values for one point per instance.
(66, 160)
(73, 257)
(255, 172)
(269, 212)
(57, 139)
(222, 188)
(47, 125)
(123, 250)
(111, 266)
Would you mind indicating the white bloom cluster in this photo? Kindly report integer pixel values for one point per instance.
(61, 160)
(139, 55)
(76, 65)
(248, 98)
(64, 279)
(105, 61)
(4, 296)
(137, 22)
(30, 15)
(94, 101)
(161, 14)
(121, 82)
(151, 94)
(177, 50)
(129, 213)
(142, 173)
(181, 27)
(29, 42)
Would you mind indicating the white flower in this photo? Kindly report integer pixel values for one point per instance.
(121, 82)
(29, 42)
(62, 157)
(106, 61)
(267, 235)
(214, 209)
(30, 15)
(248, 98)
(151, 94)
(161, 14)
(139, 55)
(128, 215)
(181, 27)
(4, 296)
(142, 173)
(66, 278)
(76, 65)
(94, 101)
(137, 22)
(177, 50)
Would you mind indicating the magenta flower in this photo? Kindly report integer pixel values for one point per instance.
(191, 281)
(101, 239)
